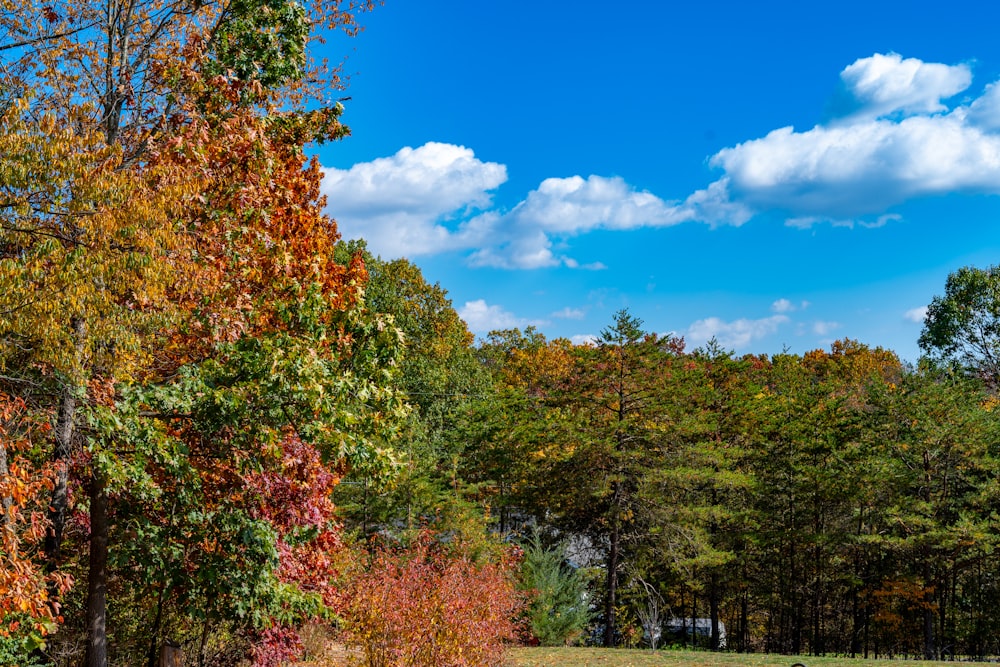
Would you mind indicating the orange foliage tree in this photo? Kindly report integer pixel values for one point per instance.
(163, 247)
(27, 610)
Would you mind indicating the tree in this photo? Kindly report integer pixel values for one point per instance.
(610, 426)
(697, 491)
(27, 611)
(963, 326)
(442, 380)
(159, 214)
(558, 612)
(940, 445)
(515, 430)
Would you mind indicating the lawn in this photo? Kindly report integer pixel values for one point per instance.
(587, 657)
(332, 654)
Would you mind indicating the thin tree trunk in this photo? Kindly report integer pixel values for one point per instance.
(930, 648)
(97, 580)
(713, 610)
(154, 639)
(612, 580)
(63, 449)
(5, 501)
(203, 643)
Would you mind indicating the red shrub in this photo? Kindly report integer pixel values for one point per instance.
(431, 605)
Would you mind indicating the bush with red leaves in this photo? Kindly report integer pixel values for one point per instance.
(432, 604)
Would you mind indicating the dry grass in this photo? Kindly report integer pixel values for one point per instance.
(326, 652)
(598, 657)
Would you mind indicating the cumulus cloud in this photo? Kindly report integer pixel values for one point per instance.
(483, 318)
(737, 334)
(862, 169)
(984, 111)
(917, 315)
(561, 208)
(902, 142)
(402, 204)
(898, 140)
(884, 84)
(438, 197)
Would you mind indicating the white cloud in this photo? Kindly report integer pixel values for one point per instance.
(917, 315)
(737, 334)
(583, 339)
(483, 318)
(570, 314)
(822, 328)
(786, 306)
(566, 207)
(985, 110)
(782, 306)
(845, 172)
(437, 198)
(899, 140)
(399, 204)
(886, 83)
(574, 205)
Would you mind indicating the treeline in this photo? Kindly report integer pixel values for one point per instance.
(833, 502)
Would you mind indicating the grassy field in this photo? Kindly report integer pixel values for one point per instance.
(334, 655)
(596, 657)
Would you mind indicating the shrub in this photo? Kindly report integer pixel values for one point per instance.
(431, 604)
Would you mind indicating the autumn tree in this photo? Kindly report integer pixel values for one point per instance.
(28, 611)
(160, 213)
(615, 429)
(514, 430)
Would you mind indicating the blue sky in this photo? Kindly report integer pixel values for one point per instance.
(774, 174)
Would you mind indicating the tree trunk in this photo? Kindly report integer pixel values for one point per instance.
(60, 456)
(5, 501)
(61, 452)
(170, 656)
(97, 580)
(612, 580)
(713, 610)
(930, 648)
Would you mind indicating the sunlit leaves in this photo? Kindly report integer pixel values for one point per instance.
(26, 606)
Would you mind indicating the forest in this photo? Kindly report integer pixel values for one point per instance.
(834, 502)
(224, 430)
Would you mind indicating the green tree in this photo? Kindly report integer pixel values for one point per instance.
(698, 489)
(442, 380)
(939, 441)
(134, 224)
(963, 326)
(559, 611)
(611, 429)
